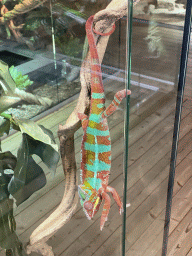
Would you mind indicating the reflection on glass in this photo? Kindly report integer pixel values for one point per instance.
(156, 44)
(36, 39)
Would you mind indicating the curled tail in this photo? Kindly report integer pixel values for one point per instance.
(97, 89)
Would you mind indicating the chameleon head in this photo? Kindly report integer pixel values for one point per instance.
(90, 201)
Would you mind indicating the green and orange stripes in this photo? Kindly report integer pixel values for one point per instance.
(96, 142)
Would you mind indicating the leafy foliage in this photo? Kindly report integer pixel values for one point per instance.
(154, 39)
(67, 10)
(4, 127)
(7, 161)
(14, 94)
(64, 17)
(69, 46)
(35, 140)
(34, 19)
(28, 175)
(20, 80)
(18, 1)
(9, 86)
(8, 237)
(37, 18)
(6, 102)
(21, 176)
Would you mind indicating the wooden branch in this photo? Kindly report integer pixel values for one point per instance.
(8, 16)
(23, 7)
(67, 206)
(103, 21)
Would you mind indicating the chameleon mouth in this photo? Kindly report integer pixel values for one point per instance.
(87, 215)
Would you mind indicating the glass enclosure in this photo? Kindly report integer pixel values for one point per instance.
(156, 44)
(48, 70)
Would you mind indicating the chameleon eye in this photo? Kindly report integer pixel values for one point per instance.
(88, 206)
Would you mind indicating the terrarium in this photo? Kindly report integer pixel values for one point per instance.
(87, 108)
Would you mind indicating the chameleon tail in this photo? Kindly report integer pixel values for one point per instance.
(97, 89)
(119, 96)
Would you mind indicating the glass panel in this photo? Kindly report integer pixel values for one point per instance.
(156, 44)
(45, 43)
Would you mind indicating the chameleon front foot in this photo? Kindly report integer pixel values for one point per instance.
(106, 208)
(116, 198)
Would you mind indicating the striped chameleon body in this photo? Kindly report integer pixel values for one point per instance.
(96, 143)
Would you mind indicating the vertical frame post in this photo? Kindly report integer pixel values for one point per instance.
(126, 129)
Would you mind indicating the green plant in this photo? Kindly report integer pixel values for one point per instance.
(10, 94)
(20, 176)
(69, 10)
(18, 173)
(20, 80)
(69, 46)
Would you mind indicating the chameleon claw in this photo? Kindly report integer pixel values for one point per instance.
(103, 223)
(121, 210)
